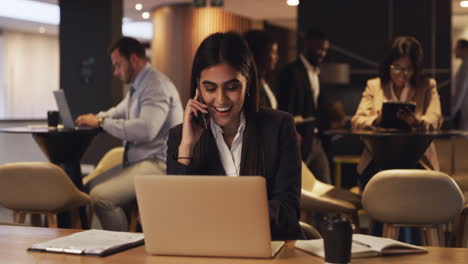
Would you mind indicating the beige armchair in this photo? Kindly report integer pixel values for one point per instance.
(319, 197)
(111, 159)
(421, 198)
(39, 188)
(459, 233)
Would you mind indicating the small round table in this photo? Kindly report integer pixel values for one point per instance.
(397, 149)
(392, 149)
(63, 147)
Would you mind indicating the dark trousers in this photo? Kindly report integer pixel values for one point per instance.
(317, 161)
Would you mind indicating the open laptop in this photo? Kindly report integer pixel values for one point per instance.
(215, 216)
(64, 112)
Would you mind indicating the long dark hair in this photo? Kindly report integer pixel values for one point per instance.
(260, 43)
(404, 46)
(230, 48)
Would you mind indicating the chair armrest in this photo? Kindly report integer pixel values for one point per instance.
(92, 175)
(316, 203)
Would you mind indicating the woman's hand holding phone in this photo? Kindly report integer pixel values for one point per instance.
(191, 129)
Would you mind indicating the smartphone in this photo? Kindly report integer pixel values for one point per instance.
(202, 118)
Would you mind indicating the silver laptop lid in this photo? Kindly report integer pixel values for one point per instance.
(204, 215)
(64, 110)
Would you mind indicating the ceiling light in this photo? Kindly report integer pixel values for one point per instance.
(42, 30)
(145, 15)
(464, 3)
(140, 30)
(138, 6)
(292, 2)
(30, 11)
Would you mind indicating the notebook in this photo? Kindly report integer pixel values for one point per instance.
(363, 246)
(91, 242)
(215, 216)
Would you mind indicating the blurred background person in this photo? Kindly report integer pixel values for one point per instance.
(460, 98)
(299, 94)
(265, 52)
(400, 79)
(142, 120)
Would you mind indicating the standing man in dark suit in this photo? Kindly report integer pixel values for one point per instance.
(299, 94)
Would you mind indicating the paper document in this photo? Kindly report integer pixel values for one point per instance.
(91, 242)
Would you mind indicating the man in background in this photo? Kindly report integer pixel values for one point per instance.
(142, 120)
(460, 98)
(299, 94)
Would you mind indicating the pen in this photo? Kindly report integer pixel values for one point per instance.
(73, 251)
(51, 249)
(360, 243)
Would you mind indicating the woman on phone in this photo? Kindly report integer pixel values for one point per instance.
(240, 138)
(400, 79)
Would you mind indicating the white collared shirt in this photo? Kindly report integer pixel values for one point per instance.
(313, 73)
(230, 158)
(271, 96)
(403, 96)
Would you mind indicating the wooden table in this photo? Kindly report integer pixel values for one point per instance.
(14, 240)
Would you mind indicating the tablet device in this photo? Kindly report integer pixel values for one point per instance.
(389, 115)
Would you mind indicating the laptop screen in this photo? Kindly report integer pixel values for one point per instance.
(64, 110)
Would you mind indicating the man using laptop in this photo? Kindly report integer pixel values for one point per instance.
(142, 120)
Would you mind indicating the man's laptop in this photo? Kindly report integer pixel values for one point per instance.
(64, 111)
(215, 216)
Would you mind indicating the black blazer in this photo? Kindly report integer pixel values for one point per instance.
(295, 91)
(295, 97)
(282, 168)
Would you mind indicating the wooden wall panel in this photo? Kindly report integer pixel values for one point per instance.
(179, 30)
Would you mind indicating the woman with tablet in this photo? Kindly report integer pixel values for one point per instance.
(400, 82)
(224, 132)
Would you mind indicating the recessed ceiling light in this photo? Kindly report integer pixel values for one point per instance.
(42, 30)
(145, 15)
(39, 12)
(464, 3)
(138, 6)
(292, 2)
(140, 30)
